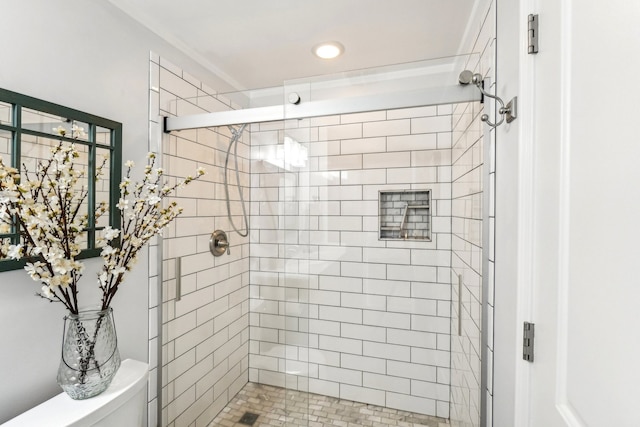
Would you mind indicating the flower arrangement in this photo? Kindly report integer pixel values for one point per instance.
(46, 206)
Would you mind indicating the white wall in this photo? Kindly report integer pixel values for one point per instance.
(91, 57)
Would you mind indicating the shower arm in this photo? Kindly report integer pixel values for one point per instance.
(508, 112)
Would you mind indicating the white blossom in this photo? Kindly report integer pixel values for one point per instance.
(111, 233)
(107, 251)
(47, 205)
(123, 204)
(15, 251)
(46, 291)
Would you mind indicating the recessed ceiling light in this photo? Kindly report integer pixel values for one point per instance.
(328, 50)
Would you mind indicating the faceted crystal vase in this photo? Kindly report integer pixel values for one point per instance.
(90, 356)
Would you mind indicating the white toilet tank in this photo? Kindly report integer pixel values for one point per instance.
(123, 404)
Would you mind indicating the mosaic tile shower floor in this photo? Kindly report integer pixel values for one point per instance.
(269, 403)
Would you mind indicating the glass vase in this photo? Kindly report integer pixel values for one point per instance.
(90, 356)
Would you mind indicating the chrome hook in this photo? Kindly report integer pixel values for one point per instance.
(508, 112)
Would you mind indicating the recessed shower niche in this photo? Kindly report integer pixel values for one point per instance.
(405, 215)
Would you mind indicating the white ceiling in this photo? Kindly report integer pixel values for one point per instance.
(261, 43)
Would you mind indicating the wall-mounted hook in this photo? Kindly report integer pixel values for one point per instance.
(508, 112)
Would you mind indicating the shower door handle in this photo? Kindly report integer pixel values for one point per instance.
(459, 305)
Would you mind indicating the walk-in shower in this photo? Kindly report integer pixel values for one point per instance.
(316, 299)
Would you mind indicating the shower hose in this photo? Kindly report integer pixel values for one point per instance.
(236, 133)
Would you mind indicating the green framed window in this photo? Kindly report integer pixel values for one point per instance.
(28, 131)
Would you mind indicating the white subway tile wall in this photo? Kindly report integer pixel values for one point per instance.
(205, 335)
(468, 144)
(378, 311)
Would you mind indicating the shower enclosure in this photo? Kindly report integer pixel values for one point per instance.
(362, 274)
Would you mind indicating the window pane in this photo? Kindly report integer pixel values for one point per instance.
(53, 124)
(5, 147)
(37, 151)
(5, 114)
(103, 136)
(103, 184)
(82, 240)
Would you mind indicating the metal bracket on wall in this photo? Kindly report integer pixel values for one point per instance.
(527, 341)
(533, 34)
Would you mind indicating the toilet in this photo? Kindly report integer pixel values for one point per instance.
(122, 404)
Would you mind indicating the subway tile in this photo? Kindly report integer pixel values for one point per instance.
(342, 345)
(386, 255)
(347, 131)
(411, 273)
(386, 382)
(412, 306)
(411, 403)
(431, 357)
(364, 301)
(324, 297)
(389, 351)
(347, 192)
(339, 163)
(412, 338)
(412, 370)
(340, 223)
(386, 128)
(345, 284)
(363, 270)
(387, 287)
(430, 390)
(341, 314)
(192, 338)
(386, 160)
(360, 239)
(386, 319)
(368, 333)
(367, 364)
(327, 388)
(412, 142)
(431, 124)
(325, 327)
(340, 375)
(175, 84)
(431, 158)
(366, 176)
(365, 145)
(430, 324)
(406, 175)
(362, 394)
(180, 325)
(359, 208)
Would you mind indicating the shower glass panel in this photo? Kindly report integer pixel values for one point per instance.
(365, 319)
(335, 306)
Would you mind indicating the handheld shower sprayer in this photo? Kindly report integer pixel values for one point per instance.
(508, 111)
